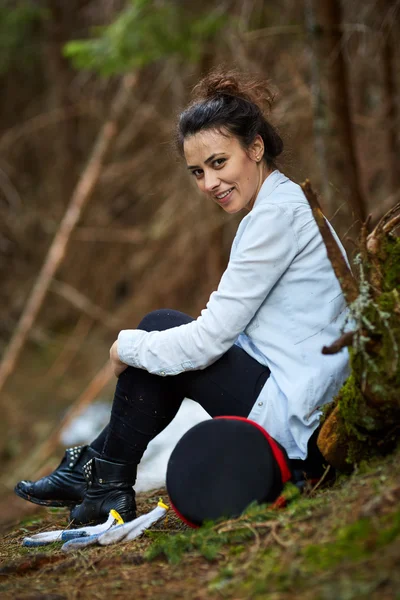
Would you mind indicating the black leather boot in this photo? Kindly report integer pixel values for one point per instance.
(66, 486)
(109, 485)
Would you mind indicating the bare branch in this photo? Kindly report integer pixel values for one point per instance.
(387, 223)
(379, 228)
(84, 304)
(392, 224)
(105, 234)
(345, 340)
(71, 347)
(35, 124)
(339, 264)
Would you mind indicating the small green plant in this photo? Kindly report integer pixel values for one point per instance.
(213, 538)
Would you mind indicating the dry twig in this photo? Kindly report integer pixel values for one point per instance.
(84, 304)
(321, 479)
(104, 234)
(70, 348)
(345, 340)
(279, 540)
(339, 264)
(386, 224)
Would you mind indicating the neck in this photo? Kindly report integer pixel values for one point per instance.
(263, 172)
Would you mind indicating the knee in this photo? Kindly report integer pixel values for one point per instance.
(159, 320)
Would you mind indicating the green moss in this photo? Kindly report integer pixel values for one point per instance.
(356, 419)
(366, 426)
(347, 546)
(390, 532)
(350, 544)
(387, 301)
(208, 540)
(391, 263)
(350, 401)
(354, 542)
(368, 401)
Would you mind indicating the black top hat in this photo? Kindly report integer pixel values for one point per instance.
(222, 465)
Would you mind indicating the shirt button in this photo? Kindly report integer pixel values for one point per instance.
(260, 403)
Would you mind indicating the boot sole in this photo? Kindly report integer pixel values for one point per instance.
(41, 502)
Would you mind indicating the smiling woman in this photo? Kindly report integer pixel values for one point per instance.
(229, 145)
(228, 174)
(255, 350)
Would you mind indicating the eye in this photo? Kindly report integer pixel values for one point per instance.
(218, 162)
(197, 173)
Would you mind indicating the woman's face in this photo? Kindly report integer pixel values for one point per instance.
(224, 171)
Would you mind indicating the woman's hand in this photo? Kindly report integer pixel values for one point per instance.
(117, 365)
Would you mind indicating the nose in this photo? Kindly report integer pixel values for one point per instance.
(211, 181)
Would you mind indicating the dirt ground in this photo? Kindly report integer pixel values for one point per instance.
(341, 542)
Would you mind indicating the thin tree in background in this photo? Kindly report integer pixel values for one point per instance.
(390, 115)
(320, 117)
(333, 114)
(58, 27)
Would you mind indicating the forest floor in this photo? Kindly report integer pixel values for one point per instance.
(337, 543)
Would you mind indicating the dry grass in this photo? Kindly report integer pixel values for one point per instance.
(338, 542)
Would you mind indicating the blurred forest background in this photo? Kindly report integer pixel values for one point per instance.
(90, 94)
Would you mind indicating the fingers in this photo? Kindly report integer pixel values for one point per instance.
(114, 351)
(118, 369)
(117, 365)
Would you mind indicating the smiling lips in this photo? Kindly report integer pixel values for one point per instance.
(224, 195)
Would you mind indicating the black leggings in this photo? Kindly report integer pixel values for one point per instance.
(144, 404)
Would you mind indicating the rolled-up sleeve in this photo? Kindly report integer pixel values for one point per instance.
(266, 247)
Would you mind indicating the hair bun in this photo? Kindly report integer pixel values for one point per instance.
(233, 83)
(221, 84)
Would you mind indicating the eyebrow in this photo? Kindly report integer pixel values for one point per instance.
(209, 159)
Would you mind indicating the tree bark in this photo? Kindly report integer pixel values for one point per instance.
(327, 43)
(319, 109)
(80, 197)
(390, 116)
(59, 27)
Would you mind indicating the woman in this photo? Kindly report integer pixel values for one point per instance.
(255, 351)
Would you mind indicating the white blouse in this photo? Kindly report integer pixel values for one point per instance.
(280, 301)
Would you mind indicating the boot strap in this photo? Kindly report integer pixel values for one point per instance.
(105, 472)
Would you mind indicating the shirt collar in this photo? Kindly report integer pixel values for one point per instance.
(270, 184)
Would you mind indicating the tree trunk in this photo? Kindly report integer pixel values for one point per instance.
(319, 110)
(334, 115)
(390, 116)
(59, 27)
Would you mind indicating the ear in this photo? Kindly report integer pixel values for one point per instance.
(256, 150)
